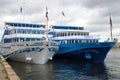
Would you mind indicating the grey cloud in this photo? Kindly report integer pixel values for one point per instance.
(100, 3)
(112, 6)
(92, 14)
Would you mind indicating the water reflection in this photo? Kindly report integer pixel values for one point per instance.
(82, 70)
(32, 71)
(61, 70)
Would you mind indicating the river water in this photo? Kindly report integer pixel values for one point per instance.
(71, 70)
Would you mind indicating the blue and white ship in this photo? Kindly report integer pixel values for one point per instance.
(27, 42)
(77, 44)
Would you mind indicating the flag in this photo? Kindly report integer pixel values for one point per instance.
(46, 13)
(21, 9)
(63, 14)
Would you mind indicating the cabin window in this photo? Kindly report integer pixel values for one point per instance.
(27, 39)
(13, 32)
(75, 33)
(76, 41)
(15, 24)
(83, 41)
(24, 31)
(28, 31)
(21, 39)
(15, 40)
(31, 25)
(68, 34)
(57, 35)
(38, 32)
(87, 41)
(33, 49)
(91, 41)
(72, 34)
(72, 41)
(79, 41)
(7, 40)
(38, 39)
(23, 25)
(61, 34)
(81, 34)
(27, 50)
(19, 25)
(42, 32)
(96, 40)
(27, 25)
(32, 39)
(62, 42)
(66, 42)
(64, 34)
(33, 32)
(87, 34)
(34, 26)
(19, 31)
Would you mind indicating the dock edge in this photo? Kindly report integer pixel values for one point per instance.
(9, 71)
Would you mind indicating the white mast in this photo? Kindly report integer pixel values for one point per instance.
(21, 10)
(111, 36)
(46, 23)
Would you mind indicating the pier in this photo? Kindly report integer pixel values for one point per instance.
(6, 71)
(117, 45)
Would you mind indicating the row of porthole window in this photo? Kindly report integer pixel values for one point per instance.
(22, 40)
(70, 34)
(26, 32)
(26, 25)
(78, 41)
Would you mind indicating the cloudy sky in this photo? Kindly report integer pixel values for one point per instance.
(91, 14)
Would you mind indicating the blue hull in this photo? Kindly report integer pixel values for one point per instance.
(85, 51)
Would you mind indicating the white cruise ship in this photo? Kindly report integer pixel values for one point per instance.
(27, 43)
